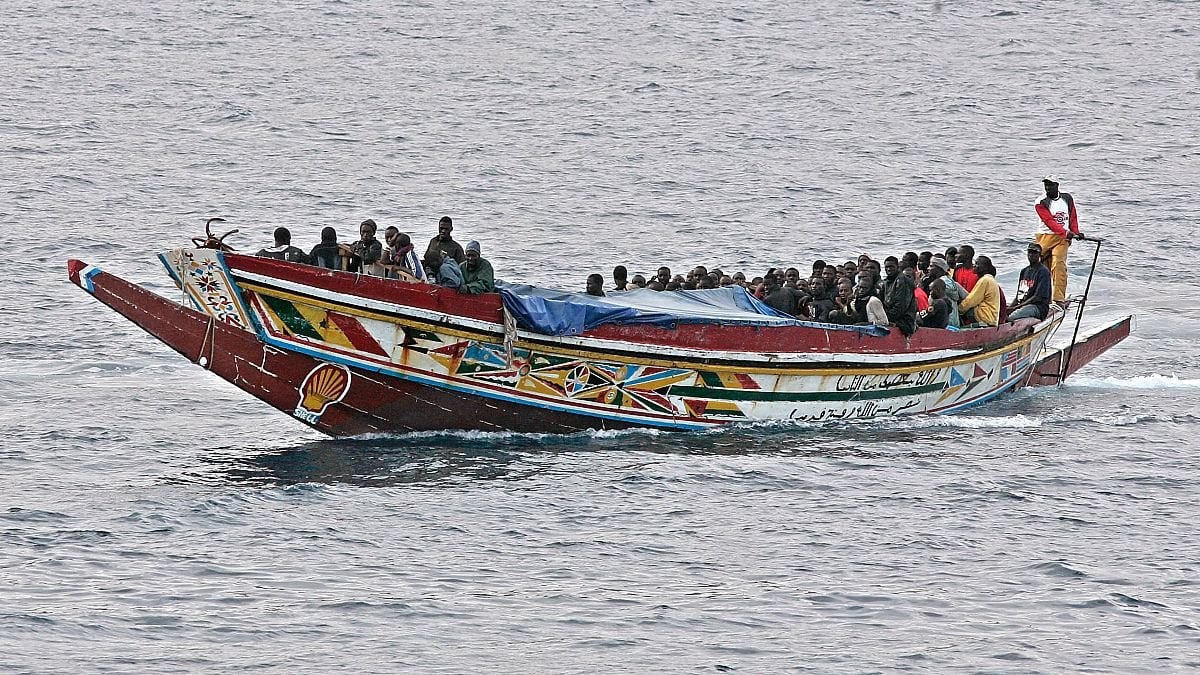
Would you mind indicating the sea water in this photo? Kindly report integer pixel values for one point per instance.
(156, 519)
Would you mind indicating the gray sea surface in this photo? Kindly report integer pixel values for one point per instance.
(155, 519)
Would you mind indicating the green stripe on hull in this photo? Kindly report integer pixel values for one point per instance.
(291, 318)
(714, 394)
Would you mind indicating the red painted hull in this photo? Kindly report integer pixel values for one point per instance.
(340, 397)
(372, 404)
(1049, 369)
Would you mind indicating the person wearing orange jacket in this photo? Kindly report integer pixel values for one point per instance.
(1060, 224)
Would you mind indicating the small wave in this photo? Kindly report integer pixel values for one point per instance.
(1057, 569)
(1132, 420)
(1154, 381)
(1130, 601)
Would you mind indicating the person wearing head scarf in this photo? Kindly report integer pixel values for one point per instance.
(328, 253)
(478, 276)
(954, 294)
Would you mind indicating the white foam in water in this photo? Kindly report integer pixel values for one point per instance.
(1139, 382)
(969, 422)
(503, 435)
(911, 422)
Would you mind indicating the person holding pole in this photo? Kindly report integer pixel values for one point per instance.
(1060, 224)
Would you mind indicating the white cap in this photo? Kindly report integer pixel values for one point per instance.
(1050, 178)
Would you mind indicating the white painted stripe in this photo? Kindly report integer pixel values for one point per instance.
(85, 278)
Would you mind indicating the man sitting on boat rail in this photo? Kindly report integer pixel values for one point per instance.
(443, 270)
(283, 249)
(595, 285)
(899, 301)
(477, 273)
(445, 243)
(328, 253)
(984, 299)
(400, 255)
(954, 294)
(1033, 291)
(363, 255)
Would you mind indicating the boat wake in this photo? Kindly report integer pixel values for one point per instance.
(1153, 381)
(493, 437)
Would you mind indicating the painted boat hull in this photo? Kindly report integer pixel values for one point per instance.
(351, 355)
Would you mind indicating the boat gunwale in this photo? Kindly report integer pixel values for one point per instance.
(825, 367)
(467, 326)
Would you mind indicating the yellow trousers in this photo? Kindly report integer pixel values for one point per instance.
(1054, 253)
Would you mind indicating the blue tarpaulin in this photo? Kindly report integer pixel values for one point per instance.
(553, 312)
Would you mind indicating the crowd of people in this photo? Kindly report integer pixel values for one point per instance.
(445, 262)
(954, 289)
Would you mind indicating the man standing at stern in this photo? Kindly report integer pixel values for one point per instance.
(1060, 224)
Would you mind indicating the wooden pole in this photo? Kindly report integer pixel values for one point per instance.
(1079, 315)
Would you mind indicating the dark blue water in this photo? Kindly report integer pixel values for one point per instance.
(155, 519)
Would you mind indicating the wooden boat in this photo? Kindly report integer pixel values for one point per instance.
(350, 354)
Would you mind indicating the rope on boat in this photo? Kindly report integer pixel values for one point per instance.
(510, 336)
(210, 339)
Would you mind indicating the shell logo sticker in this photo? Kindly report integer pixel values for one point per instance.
(323, 386)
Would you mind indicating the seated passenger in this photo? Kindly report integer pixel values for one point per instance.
(638, 281)
(843, 309)
(443, 242)
(595, 285)
(400, 254)
(820, 302)
(951, 258)
(1033, 290)
(984, 300)
(899, 298)
(938, 269)
(937, 315)
(706, 282)
(328, 253)
(865, 308)
(780, 297)
(444, 269)
(921, 296)
(923, 264)
(964, 273)
(477, 273)
(620, 278)
(365, 253)
(283, 249)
